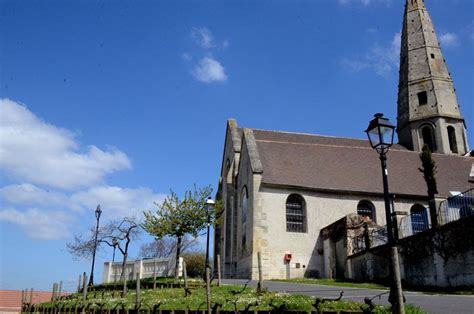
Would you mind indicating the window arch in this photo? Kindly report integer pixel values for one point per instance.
(367, 210)
(453, 145)
(428, 136)
(226, 172)
(244, 206)
(419, 218)
(295, 213)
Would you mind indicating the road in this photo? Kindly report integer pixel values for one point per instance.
(433, 303)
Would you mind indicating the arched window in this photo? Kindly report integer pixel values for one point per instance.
(427, 134)
(453, 145)
(226, 173)
(245, 208)
(244, 204)
(367, 210)
(419, 218)
(295, 213)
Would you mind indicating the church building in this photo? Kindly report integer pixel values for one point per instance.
(281, 189)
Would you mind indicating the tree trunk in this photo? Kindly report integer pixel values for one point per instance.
(124, 261)
(178, 254)
(433, 213)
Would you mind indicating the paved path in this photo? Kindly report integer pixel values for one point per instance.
(433, 303)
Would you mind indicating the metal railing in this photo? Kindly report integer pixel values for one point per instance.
(414, 223)
(456, 207)
(452, 209)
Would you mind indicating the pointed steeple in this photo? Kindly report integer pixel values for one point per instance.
(428, 110)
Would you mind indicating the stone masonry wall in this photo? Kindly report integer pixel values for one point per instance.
(440, 258)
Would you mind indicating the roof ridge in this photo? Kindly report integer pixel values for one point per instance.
(330, 145)
(311, 134)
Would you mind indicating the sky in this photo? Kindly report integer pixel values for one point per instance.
(118, 102)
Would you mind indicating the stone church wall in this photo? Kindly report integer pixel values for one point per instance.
(322, 209)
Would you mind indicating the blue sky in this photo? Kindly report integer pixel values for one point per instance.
(117, 102)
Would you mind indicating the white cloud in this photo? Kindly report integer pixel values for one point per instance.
(209, 70)
(36, 152)
(53, 183)
(52, 209)
(186, 56)
(29, 194)
(117, 202)
(39, 224)
(382, 59)
(203, 37)
(363, 2)
(449, 40)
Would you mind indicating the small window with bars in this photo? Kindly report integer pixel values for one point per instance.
(367, 210)
(295, 214)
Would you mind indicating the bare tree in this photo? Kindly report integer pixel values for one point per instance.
(165, 247)
(121, 236)
(82, 247)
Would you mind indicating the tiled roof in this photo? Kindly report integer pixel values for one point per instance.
(351, 165)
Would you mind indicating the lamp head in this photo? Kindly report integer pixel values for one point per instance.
(98, 212)
(380, 132)
(210, 201)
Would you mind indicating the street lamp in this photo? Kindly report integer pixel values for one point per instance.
(115, 243)
(380, 133)
(98, 212)
(209, 206)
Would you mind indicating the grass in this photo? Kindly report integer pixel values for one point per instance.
(335, 283)
(230, 298)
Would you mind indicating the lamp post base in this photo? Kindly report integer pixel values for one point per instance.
(396, 295)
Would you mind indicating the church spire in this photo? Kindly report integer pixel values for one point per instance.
(428, 110)
(415, 4)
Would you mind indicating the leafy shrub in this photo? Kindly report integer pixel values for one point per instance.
(195, 264)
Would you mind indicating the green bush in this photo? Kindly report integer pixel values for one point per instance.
(195, 264)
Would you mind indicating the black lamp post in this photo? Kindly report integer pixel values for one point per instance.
(98, 212)
(114, 244)
(380, 133)
(209, 206)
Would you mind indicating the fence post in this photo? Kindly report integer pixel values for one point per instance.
(259, 264)
(53, 292)
(219, 270)
(137, 298)
(53, 298)
(22, 299)
(154, 275)
(79, 283)
(58, 296)
(185, 277)
(84, 286)
(208, 290)
(31, 300)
